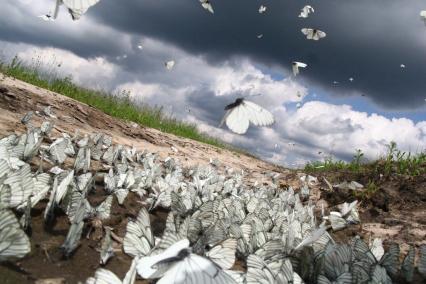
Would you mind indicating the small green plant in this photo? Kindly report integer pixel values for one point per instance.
(368, 192)
(395, 162)
(356, 161)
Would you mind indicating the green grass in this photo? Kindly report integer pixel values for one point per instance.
(394, 162)
(117, 105)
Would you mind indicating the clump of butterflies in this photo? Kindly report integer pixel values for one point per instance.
(213, 219)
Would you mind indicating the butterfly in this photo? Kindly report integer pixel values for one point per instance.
(169, 64)
(14, 243)
(313, 34)
(207, 5)
(104, 276)
(240, 113)
(423, 16)
(296, 65)
(76, 8)
(177, 264)
(306, 11)
(262, 9)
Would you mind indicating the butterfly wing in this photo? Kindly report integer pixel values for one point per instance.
(258, 115)
(224, 253)
(237, 119)
(139, 239)
(14, 243)
(407, 267)
(78, 7)
(321, 34)
(196, 269)
(295, 68)
(104, 276)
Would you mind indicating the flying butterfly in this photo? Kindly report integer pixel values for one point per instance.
(296, 65)
(304, 13)
(423, 16)
(169, 64)
(262, 9)
(240, 113)
(207, 5)
(76, 8)
(313, 34)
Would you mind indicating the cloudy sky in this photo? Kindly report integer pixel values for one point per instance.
(219, 58)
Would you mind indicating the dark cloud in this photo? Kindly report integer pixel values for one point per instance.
(367, 40)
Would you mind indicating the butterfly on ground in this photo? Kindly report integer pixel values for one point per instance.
(177, 264)
(240, 113)
(76, 8)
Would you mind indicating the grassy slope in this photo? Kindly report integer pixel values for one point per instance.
(116, 105)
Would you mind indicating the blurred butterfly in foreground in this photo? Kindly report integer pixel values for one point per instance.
(240, 113)
(75, 7)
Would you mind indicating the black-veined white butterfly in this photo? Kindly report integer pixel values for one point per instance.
(240, 113)
(76, 8)
(178, 264)
(313, 34)
(14, 243)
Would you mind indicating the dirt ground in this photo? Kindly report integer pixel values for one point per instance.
(395, 212)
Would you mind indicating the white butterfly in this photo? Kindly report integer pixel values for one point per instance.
(240, 113)
(313, 34)
(206, 5)
(262, 9)
(14, 243)
(402, 65)
(306, 11)
(296, 65)
(259, 35)
(104, 276)
(169, 64)
(139, 239)
(351, 79)
(76, 8)
(177, 264)
(422, 260)
(423, 16)
(140, 46)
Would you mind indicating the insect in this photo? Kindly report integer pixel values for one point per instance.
(304, 13)
(240, 113)
(296, 65)
(313, 34)
(207, 5)
(76, 8)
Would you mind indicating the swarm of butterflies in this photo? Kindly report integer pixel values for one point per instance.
(219, 229)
